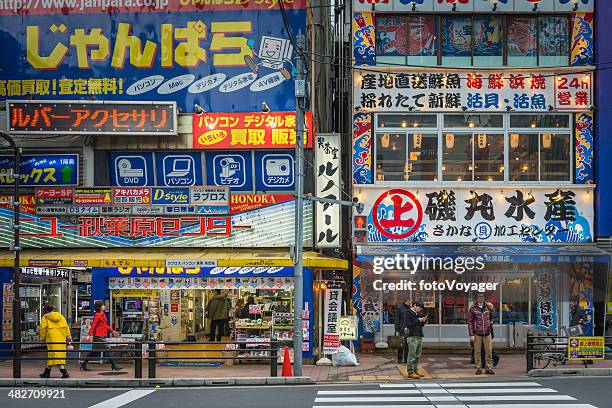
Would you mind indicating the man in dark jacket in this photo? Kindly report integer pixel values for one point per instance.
(400, 324)
(415, 320)
(480, 327)
(578, 316)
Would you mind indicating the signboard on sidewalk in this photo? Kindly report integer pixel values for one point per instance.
(331, 343)
(586, 348)
(348, 328)
(331, 330)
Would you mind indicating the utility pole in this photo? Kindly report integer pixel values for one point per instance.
(298, 275)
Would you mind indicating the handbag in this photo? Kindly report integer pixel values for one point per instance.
(396, 342)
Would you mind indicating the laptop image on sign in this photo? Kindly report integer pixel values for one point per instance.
(180, 168)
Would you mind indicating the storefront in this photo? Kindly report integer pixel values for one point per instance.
(493, 160)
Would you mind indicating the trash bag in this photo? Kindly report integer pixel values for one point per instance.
(344, 358)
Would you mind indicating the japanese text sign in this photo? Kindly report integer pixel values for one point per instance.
(333, 310)
(487, 90)
(479, 214)
(586, 348)
(43, 170)
(252, 130)
(348, 328)
(53, 195)
(331, 343)
(228, 58)
(92, 196)
(213, 196)
(95, 117)
(327, 184)
(133, 195)
(274, 171)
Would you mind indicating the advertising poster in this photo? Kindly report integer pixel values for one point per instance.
(224, 56)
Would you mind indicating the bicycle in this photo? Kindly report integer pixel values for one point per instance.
(548, 350)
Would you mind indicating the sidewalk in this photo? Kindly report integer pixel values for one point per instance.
(372, 367)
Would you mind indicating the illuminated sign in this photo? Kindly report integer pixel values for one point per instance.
(43, 170)
(249, 130)
(94, 117)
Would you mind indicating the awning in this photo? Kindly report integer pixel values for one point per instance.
(157, 257)
(492, 253)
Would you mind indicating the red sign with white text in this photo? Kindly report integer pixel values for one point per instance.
(248, 202)
(53, 195)
(248, 130)
(131, 195)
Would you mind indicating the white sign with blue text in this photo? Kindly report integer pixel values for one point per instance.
(131, 169)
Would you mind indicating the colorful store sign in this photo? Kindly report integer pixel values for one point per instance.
(451, 91)
(586, 348)
(94, 117)
(131, 169)
(92, 196)
(327, 185)
(184, 169)
(53, 195)
(331, 343)
(478, 214)
(133, 195)
(170, 195)
(523, 6)
(229, 59)
(252, 130)
(41, 272)
(248, 202)
(42, 170)
(143, 293)
(123, 285)
(221, 271)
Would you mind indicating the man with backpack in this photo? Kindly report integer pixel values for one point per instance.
(480, 327)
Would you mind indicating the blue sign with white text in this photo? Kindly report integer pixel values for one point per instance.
(274, 171)
(178, 169)
(131, 169)
(229, 169)
(170, 196)
(42, 170)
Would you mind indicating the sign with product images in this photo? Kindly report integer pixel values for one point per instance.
(53, 195)
(231, 57)
(331, 343)
(92, 196)
(91, 117)
(327, 185)
(544, 214)
(42, 170)
(178, 169)
(490, 91)
(467, 6)
(138, 195)
(131, 169)
(229, 169)
(586, 348)
(274, 171)
(348, 328)
(248, 130)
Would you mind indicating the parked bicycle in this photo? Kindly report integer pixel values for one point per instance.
(550, 348)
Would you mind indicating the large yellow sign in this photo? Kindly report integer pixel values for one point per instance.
(586, 348)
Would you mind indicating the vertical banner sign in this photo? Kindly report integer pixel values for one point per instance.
(546, 313)
(333, 307)
(328, 234)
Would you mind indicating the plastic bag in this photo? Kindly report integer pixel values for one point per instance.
(344, 358)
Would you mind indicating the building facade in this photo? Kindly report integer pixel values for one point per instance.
(473, 138)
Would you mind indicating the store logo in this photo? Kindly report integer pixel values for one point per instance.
(397, 214)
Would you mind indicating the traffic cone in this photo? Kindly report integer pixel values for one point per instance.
(287, 364)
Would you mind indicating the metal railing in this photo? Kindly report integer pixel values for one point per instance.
(140, 352)
(544, 349)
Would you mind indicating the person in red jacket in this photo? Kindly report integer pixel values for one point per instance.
(480, 327)
(99, 330)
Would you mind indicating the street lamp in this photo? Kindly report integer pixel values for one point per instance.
(16, 249)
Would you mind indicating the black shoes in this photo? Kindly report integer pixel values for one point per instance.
(64, 373)
(46, 373)
(83, 367)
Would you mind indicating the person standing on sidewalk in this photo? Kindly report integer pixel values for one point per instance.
(218, 312)
(99, 330)
(54, 329)
(480, 327)
(415, 320)
(401, 313)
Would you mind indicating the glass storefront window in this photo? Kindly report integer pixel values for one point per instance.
(463, 120)
(522, 41)
(457, 158)
(407, 121)
(455, 306)
(487, 33)
(515, 302)
(525, 121)
(390, 156)
(488, 157)
(554, 41)
(554, 157)
(422, 157)
(523, 157)
(456, 41)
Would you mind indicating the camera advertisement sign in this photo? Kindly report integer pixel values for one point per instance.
(453, 91)
(229, 58)
(274, 171)
(251, 130)
(543, 214)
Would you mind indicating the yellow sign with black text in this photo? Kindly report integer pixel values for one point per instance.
(586, 348)
(137, 293)
(347, 328)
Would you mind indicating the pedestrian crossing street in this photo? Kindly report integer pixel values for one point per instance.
(520, 394)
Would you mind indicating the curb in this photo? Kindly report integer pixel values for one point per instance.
(151, 382)
(566, 372)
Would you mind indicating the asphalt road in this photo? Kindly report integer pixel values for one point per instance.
(591, 392)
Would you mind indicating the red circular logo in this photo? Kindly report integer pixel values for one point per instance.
(404, 204)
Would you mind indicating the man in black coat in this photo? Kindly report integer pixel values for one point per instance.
(415, 320)
(401, 313)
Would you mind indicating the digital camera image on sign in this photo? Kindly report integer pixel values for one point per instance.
(278, 171)
(232, 171)
(131, 170)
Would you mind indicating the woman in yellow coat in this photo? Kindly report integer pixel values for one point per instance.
(54, 329)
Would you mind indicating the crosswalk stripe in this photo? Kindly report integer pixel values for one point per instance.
(385, 406)
(504, 391)
(516, 398)
(394, 385)
(122, 399)
(491, 384)
(533, 406)
(368, 392)
(371, 399)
